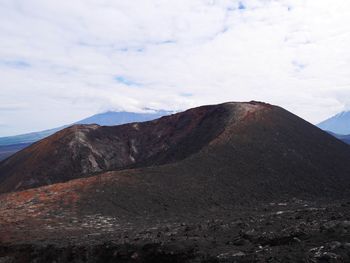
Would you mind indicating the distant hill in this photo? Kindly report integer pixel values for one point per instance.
(339, 124)
(8, 150)
(111, 118)
(344, 138)
(28, 137)
(11, 144)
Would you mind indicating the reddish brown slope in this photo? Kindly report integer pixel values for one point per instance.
(254, 145)
(83, 150)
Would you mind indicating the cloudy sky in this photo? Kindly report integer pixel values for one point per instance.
(61, 61)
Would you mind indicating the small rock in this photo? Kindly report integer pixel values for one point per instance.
(250, 235)
(296, 240)
(334, 245)
(135, 255)
(329, 256)
(238, 254)
(240, 242)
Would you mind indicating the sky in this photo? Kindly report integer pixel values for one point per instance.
(61, 61)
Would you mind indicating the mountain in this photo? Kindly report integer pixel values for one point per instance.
(108, 118)
(8, 150)
(344, 138)
(339, 124)
(111, 118)
(247, 138)
(234, 182)
(28, 137)
(11, 144)
(82, 150)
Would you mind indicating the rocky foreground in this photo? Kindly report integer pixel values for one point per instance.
(233, 182)
(286, 231)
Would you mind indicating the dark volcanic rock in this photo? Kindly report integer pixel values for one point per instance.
(211, 238)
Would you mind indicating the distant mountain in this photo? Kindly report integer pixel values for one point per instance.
(111, 118)
(339, 124)
(28, 137)
(8, 150)
(344, 138)
(11, 144)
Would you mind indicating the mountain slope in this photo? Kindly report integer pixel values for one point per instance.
(19, 142)
(344, 138)
(339, 124)
(28, 137)
(82, 150)
(8, 150)
(244, 142)
(109, 118)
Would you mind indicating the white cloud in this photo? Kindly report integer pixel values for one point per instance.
(64, 60)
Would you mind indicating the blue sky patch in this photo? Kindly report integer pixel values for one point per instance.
(186, 94)
(298, 65)
(126, 81)
(241, 6)
(16, 64)
(131, 49)
(168, 42)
